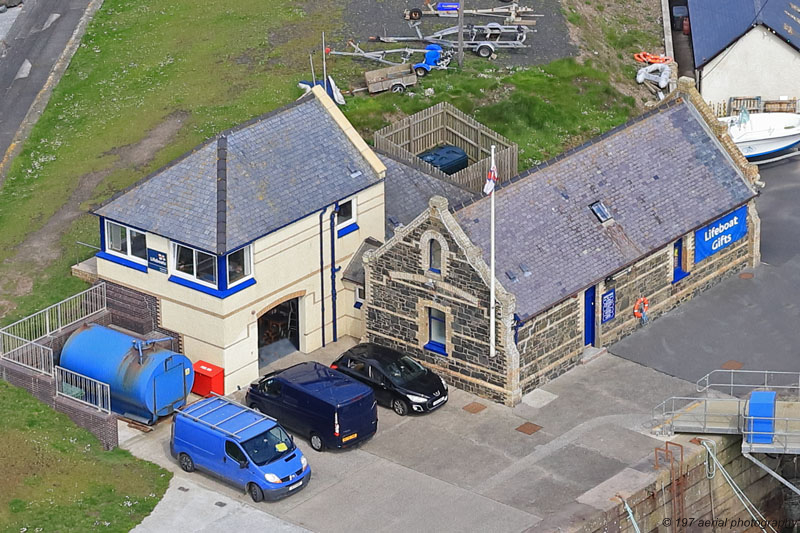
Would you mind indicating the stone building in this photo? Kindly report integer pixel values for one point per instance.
(661, 208)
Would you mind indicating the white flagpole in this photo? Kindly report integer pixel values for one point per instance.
(491, 290)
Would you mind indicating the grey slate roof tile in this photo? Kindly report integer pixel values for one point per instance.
(280, 168)
(543, 218)
(355, 269)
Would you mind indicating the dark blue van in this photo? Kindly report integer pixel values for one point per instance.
(330, 409)
(238, 445)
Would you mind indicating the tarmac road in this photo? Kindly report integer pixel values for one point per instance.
(34, 45)
(752, 321)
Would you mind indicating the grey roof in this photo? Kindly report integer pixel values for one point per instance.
(661, 175)
(408, 189)
(250, 181)
(355, 269)
(712, 32)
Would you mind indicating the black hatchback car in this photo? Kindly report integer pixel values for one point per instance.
(398, 380)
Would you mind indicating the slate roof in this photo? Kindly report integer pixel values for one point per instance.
(355, 269)
(408, 189)
(661, 175)
(718, 23)
(273, 170)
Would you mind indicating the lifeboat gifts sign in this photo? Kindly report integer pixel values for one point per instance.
(720, 234)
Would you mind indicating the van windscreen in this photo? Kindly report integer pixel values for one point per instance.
(268, 446)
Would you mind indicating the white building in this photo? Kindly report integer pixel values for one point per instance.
(746, 48)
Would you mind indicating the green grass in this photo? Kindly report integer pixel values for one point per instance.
(543, 109)
(56, 476)
(630, 40)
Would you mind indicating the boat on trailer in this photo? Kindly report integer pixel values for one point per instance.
(760, 134)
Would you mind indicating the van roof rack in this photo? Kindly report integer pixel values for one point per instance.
(223, 402)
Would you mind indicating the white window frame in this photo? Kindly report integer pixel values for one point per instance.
(127, 255)
(173, 265)
(249, 263)
(363, 291)
(352, 220)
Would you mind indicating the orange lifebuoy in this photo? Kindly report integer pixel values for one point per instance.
(645, 57)
(642, 303)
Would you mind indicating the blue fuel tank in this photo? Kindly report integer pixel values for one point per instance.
(144, 385)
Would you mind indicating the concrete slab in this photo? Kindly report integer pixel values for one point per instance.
(7, 20)
(538, 398)
(619, 484)
(408, 502)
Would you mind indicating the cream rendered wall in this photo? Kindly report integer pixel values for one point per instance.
(758, 64)
(286, 265)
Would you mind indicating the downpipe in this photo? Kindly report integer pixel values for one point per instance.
(334, 268)
(321, 271)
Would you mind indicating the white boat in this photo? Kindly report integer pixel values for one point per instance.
(763, 133)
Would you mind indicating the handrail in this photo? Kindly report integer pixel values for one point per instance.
(29, 354)
(766, 379)
(93, 393)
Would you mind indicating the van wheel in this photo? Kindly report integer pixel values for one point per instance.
(255, 492)
(400, 407)
(316, 442)
(187, 465)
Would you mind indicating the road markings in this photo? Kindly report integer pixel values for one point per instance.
(50, 20)
(24, 70)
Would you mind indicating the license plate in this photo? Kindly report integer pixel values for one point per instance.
(349, 437)
(296, 485)
(440, 400)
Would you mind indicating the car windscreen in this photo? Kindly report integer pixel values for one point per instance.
(403, 371)
(268, 446)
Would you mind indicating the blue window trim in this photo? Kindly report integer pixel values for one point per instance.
(210, 290)
(678, 273)
(121, 261)
(430, 256)
(347, 230)
(432, 345)
(436, 347)
(358, 305)
(102, 234)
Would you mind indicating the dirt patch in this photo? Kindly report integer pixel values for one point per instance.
(42, 247)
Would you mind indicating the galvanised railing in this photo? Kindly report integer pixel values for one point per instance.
(83, 389)
(60, 315)
(26, 353)
(741, 382)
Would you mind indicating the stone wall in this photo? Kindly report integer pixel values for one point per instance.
(652, 278)
(43, 387)
(703, 499)
(400, 289)
(550, 344)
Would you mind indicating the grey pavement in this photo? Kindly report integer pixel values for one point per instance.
(37, 37)
(456, 471)
(753, 321)
(6, 21)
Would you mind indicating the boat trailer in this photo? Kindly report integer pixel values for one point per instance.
(438, 61)
(512, 14)
(484, 40)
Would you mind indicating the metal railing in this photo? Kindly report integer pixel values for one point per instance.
(739, 382)
(26, 353)
(60, 315)
(83, 389)
(693, 413)
(783, 438)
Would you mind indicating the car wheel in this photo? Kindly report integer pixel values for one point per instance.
(255, 408)
(421, 72)
(400, 407)
(316, 442)
(255, 492)
(187, 465)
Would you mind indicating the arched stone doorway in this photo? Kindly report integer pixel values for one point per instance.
(279, 330)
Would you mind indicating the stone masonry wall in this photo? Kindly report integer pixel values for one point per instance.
(550, 344)
(400, 289)
(703, 499)
(652, 278)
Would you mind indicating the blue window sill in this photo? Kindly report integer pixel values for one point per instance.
(122, 261)
(435, 270)
(436, 347)
(678, 275)
(346, 230)
(209, 290)
(358, 305)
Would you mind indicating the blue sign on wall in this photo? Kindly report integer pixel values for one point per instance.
(608, 306)
(720, 234)
(157, 260)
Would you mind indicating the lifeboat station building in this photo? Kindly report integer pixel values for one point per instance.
(659, 208)
(238, 248)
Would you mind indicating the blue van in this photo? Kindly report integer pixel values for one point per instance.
(240, 446)
(327, 407)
